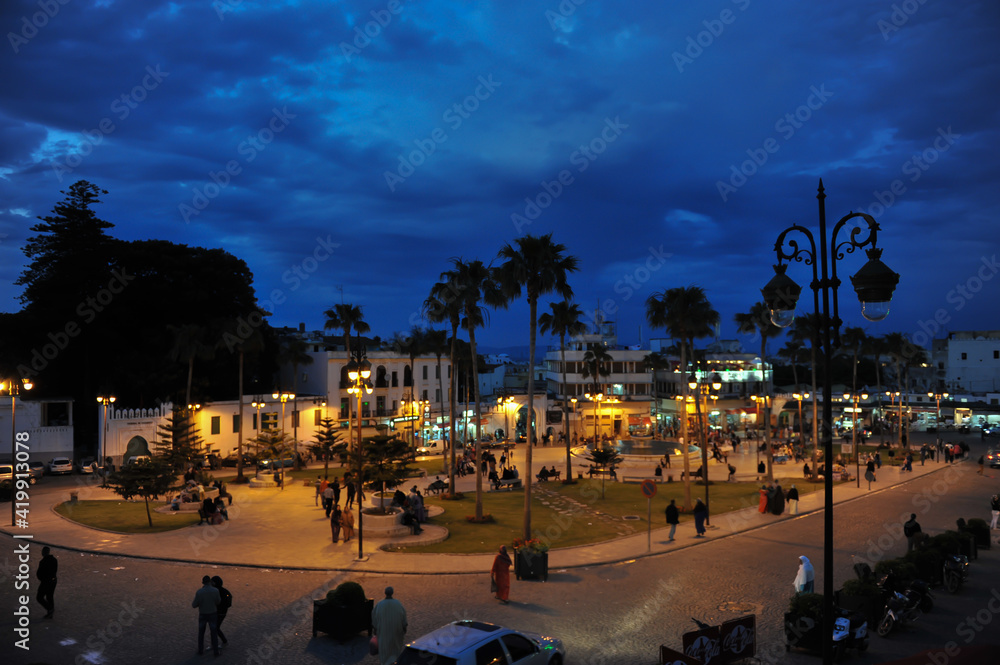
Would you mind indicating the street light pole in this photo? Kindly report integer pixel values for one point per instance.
(359, 369)
(874, 285)
(13, 389)
(102, 444)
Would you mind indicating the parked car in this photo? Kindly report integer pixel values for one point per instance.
(993, 458)
(270, 464)
(37, 470)
(7, 474)
(60, 466)
(432, 447)
(991, 429)
(86, 465)
(471, 642)
(137, 459)
(248, 460)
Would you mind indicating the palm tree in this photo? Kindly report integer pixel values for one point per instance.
(604, 458)
(190, 342)
(655, 362)
(758, 322)
(537, 266)
(294, 351)
(879, 348)
(596, 363)
(411, 345)
(243, 343)
(346, 317)
(563, 321)
(854, 340)
(443, 305)
(792, 352)
(478, 287)
(436, 342)
(895, 343)
(686, 314)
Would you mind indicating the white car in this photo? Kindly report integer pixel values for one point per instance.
(473, 642)
(432, 447)
(60, 465)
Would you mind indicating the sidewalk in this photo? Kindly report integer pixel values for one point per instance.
(285, 529)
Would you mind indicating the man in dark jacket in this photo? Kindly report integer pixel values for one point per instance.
(673, 519)
(224, 604)
(47, 569)
(911, 529)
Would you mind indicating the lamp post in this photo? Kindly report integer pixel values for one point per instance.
(597, 399)
(853, 397)
(802, 430)
(102, 446)
(13, 389)
(936, 396)
(359, 370)
(573, 401)
(704, 388)
(504, 403)
(874, 284)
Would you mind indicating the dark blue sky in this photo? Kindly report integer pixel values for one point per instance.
(282, 133)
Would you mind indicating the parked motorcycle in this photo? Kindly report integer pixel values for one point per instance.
(898, 610)
(956, 571)
(918, 588)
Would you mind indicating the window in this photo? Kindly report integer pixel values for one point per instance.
(56, 414)
(395, 380)
(996, 355)
(424, 397)
(437, 371)
(380, 406)
(518, 646)
(491, 653)
(255, 420)
(236, 423)
(269, 421)
(317, 417)
(965, 356)
(425, 372)
(437, 395)
(216, 424)
(345, 407)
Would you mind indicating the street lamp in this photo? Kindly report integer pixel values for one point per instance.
(802, 430)
(854, 397)
(874, 285)
(572, 400)
(504, 403)
(102, 441)
(704, 388)
(359, 370)
(936, 396)
(597, 399)
(13, 387)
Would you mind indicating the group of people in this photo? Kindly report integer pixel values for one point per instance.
(773, 499)
(212, 601)
(341, 521)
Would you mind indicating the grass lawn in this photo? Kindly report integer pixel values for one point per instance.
(124, 516)
(592, 519)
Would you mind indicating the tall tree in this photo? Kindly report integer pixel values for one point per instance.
(596, 361)
(328, 443)
(686, 315)
(563, 321)
(536, 266)
(411, 345)
(879, 348)
(757, 322)
(242, 339)
(655, 362)
(805, 329)
(146, 479)
(346, 317)
(436, 342)
(477, 288)
(444, 305)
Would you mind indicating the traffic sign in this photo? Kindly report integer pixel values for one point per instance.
(648, 488)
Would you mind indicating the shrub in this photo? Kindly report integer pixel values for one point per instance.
(346, 594)
(901, 570)
(949, 542)
(858, 587)
(807, 605)
(928, 562)
(981, 531)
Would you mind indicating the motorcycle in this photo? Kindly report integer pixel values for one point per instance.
(916, 588)
(850, 631)
(955, 572)
(899, 609)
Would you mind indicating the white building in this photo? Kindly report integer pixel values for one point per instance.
(972, 361)
(47, 422)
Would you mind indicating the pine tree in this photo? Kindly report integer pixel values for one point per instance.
(179, 440)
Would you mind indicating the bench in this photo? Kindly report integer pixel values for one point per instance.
(550, 476)
(508, 483)
(638, 479)
(437, 487)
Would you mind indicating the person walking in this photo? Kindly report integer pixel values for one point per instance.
(870, 472)
(336, 490)
(700, 515)
(351, 489)
(793, 500)
(911, 529)
(48, 568)
(207, 600)
(762, 505)
(328, 499)
(805, 579)
(995, 507)
(225, 602)
(320, 488)
(389, 625)
(777, 500)
(982, 465)
(500, 575)
(347, 524)
(673, 519)
(336, 519)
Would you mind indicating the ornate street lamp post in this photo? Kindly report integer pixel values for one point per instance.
(936, 396)
(597, 397)
(874, 284)
(13, 387)
(854, 398)
(703, 389)
(102, 441)
(359, 370)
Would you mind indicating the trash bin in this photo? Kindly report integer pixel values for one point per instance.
(73, 497)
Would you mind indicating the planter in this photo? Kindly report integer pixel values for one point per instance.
(342, 622)
(869, 606)
(531, 565)
(381, 499)
(803, 632)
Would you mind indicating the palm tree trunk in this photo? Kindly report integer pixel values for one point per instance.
(767, 402)
(569, 461)
(447, 458)
(533, 325)
(684, 428)
(452, 380)
(475, 393)
(812, 356)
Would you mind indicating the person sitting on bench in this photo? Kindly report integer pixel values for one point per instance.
(543, 475)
